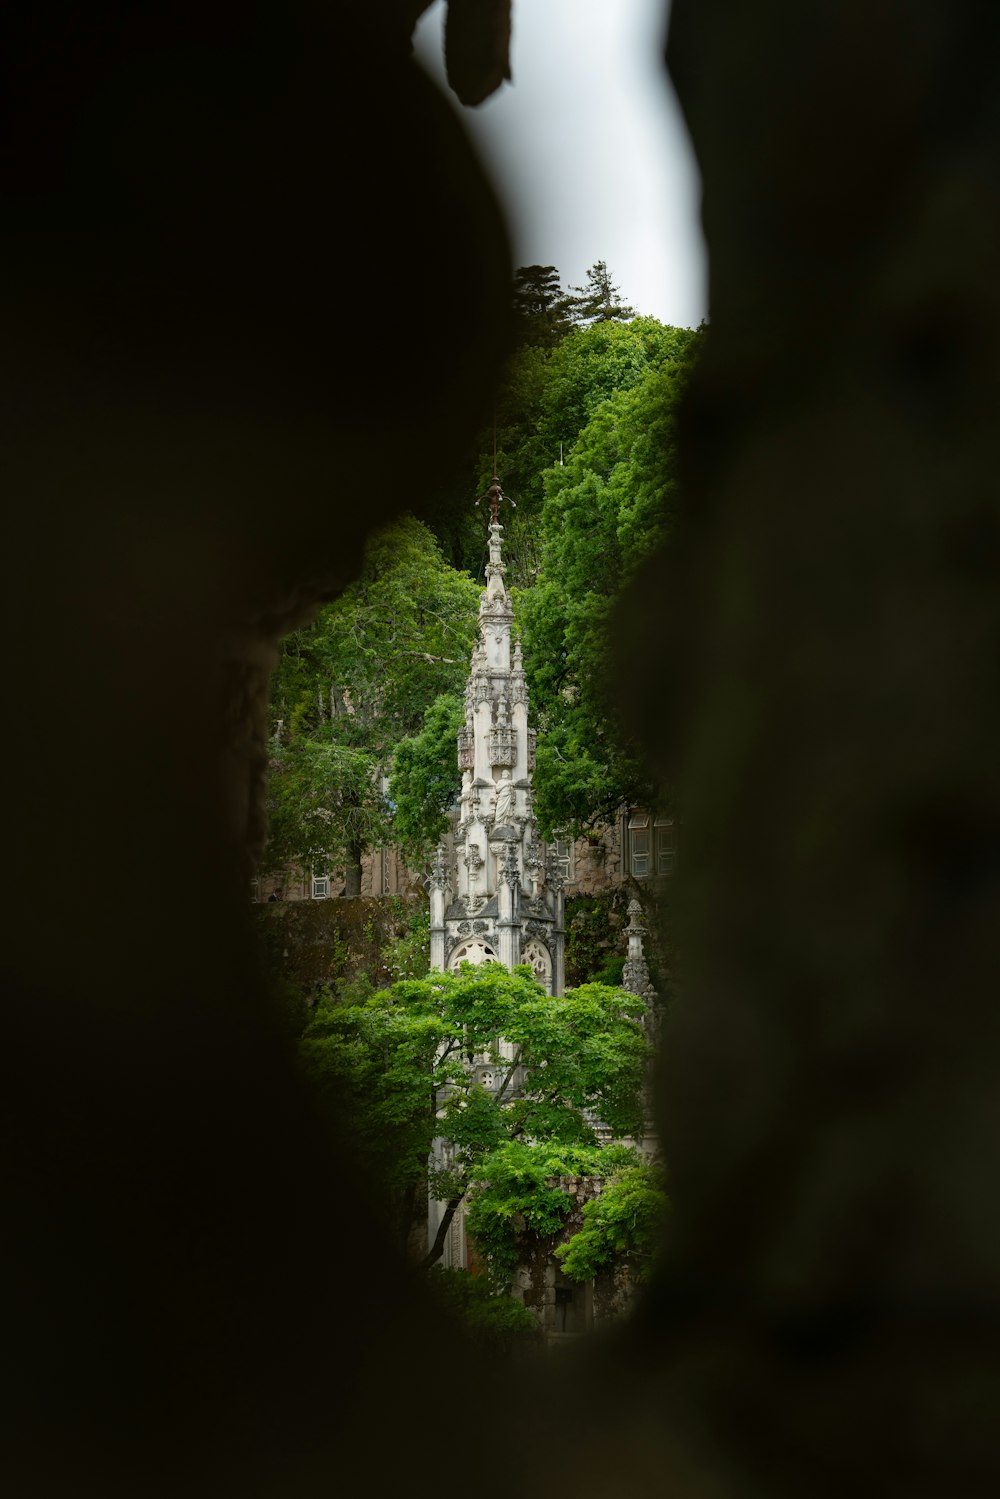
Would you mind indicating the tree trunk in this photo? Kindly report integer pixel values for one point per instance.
(437, 1248)
(352, 872)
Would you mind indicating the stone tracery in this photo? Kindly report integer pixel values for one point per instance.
(499, 872)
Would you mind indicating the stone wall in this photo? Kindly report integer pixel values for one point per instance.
(383, 872)
(205, 427)
(321, 941)
(595, 935)
(597, 862)
(566, 1308)
(317, 942)
(820, 649)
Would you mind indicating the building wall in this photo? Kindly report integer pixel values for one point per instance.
(383, 872)
(621, 852)
(566, 1308)
(314, 943)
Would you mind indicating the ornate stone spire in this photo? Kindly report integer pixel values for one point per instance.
(500, 880)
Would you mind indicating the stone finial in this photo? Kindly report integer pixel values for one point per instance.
(635, 975)
(466, 748)
(510, 873)
(479, 680)
(439, 872)
(518, 685)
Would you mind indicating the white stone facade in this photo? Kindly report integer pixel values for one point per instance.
(498, 900)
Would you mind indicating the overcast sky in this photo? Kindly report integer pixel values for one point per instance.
(589, 150)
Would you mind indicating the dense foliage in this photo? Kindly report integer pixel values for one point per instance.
(520, 1194)
(397, 1071)
(355, 683)
(603, 513)
(367, 699)
(622, 1225)
(366, 706)
(541, 307)
(497, 1322)
(585, 446)
(425, 779)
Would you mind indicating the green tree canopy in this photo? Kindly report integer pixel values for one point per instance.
(426, 780)
(548, 397)
(599, 300)
(424, 1061)
(623, 1225)
(520, 1194)
(560, 369)
(351, 686)
(524, 451)
(603, 512)
(593, 364)
(585, 445)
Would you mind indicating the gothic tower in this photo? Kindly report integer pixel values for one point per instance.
(498, 901)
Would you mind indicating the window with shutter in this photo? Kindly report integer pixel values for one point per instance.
(640, 847)
(664, 834)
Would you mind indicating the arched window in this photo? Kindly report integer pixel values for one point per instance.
(476, 951)
(560, 858)
(536, 955)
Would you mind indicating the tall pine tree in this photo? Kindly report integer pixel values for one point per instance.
(599, 301)
(541, 307)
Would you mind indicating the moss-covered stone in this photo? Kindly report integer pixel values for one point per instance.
(329, 943)
(321, 943)
(595, 936)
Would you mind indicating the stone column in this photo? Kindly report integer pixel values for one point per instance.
(508, 902)
(555, 883)
(439, 903)
(519, 715)
(635, 976)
